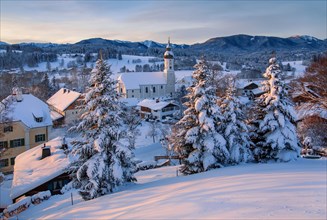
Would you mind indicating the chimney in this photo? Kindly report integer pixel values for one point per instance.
(17, 94)
(157, 101)
(46, 152)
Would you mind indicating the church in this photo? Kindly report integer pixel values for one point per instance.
(144, 85)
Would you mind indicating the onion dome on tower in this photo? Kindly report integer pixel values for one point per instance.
(169, 53)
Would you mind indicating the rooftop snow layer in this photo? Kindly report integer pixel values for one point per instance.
(133, 80)
(153, 104)
(129, 102)
(55, 115)
(30, 171)
(28, 110)
(63, 99)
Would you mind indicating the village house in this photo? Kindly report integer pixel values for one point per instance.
(143, 85)
(40, 169)
(28, 126)
(63, 105)
(156, 109)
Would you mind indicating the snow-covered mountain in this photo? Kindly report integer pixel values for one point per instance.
(246, 43)
(234, 43)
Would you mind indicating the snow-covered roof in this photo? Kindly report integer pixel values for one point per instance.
(63, 98)
(28, 110)
(55, 115)
(153, 104)
(257, 91)
(241, 83)
(31, 171)
(307, 109)
(169, 53)
(133, 80)
(129, 102)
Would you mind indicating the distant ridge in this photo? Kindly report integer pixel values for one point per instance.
(240, 43)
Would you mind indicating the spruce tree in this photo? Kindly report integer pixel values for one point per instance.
(197, 139)
(235, 128)
(104, 163)
(276, 137)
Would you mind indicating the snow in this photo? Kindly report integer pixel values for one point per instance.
(129, 102)
(295, 190)
(23, 202)
(55, 115)
(127, 61)
(307, 109)
(30, 171)
(63, 99)
(153, 104)
(133, 80)
(299, 67)
(5, 192)
(29, 106)
(257, 91)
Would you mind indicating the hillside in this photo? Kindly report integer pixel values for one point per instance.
(246, 43)
(295, 190)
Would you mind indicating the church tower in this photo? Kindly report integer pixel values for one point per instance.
(169, 69)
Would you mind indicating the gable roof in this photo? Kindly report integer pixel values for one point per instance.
(28, 110)
(133, 80)
(63, 99)
(153, 104)
(30, 171)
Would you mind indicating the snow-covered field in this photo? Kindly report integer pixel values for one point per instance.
(299, 67)
(295, 190)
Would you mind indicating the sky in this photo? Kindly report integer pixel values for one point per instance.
(185, 21)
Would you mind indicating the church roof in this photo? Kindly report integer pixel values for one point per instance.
(169, 54)
(133, 80)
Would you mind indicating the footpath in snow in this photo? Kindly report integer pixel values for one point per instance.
(295, 190)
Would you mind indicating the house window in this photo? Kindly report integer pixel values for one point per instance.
(17, 142)
(38, 119)
(132, 96)
(146, 90)
(4, 163)
(154, 89)
(121, 90)
(12, 161)
(58, 184)
(3, 144)
(8, 129)
(161, 87)
(39, 137)
(132, 91)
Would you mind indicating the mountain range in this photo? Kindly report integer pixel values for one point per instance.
(236, 43)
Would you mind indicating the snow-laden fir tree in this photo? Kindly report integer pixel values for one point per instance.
(276, 137)
(197, 139)
(235, 129)
(103, 162)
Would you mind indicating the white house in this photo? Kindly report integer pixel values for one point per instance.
(157, 109)
(63, 105)
(143, 85)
